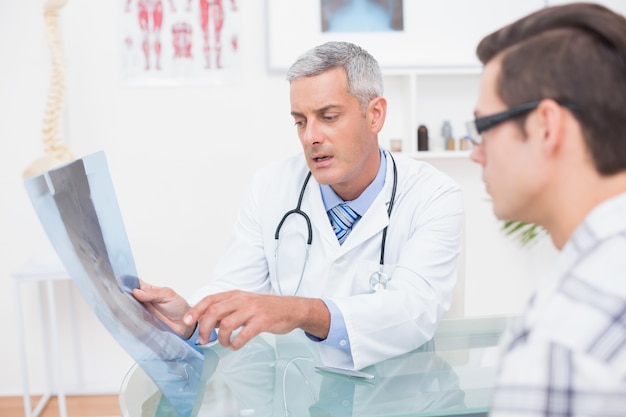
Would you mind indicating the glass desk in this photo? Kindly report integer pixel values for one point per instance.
(451, 375)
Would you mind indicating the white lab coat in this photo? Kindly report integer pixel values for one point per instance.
(423, 243)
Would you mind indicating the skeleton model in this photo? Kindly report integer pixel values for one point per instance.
(56, 152)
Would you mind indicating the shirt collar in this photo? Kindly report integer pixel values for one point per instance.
(367, 197)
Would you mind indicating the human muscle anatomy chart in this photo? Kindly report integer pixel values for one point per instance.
(212, 23)
(174, 42)
(150, 18)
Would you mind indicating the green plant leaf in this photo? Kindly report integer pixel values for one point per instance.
(525, 232)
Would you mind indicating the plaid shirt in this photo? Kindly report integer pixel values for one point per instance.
(566, 355)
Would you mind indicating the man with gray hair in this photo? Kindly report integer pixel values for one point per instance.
(354, 246)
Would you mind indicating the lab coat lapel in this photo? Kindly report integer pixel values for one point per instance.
(374, 220)
(319, 217)
(376, 217)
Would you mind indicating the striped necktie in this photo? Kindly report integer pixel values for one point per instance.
(342, 217)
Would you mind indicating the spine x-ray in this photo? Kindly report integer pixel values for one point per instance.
(78, 209)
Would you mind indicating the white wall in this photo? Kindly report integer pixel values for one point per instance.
(169, 150)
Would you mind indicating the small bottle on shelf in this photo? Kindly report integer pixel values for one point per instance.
(395, 145)
(422, 138)
(464, 143)
(446, 134)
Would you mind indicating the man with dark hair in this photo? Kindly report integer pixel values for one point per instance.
(550, 134)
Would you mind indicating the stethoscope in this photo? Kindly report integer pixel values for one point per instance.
(379, 279)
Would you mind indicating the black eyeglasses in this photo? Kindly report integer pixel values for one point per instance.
(478, 126)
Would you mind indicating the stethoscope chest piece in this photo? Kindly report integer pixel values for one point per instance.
(379, 280)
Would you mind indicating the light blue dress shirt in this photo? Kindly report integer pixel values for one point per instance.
(337, 334)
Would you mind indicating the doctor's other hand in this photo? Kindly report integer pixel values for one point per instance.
(252, 314)
(166, 305)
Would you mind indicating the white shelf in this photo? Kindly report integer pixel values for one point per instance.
(440, 154)
(433, 70)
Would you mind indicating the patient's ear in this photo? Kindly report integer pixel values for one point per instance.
(550, 121)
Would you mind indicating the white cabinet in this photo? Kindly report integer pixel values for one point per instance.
(431, 72)
(435, 76)
(442, 81)
(428, 98)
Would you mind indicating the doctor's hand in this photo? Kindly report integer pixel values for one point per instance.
(166, 305)
(255, 314)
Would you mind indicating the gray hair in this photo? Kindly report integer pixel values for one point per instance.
(365, 79)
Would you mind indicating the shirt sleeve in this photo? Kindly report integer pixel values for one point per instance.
(337, 334)
(193, 340)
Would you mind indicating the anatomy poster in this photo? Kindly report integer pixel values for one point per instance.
(180, 42)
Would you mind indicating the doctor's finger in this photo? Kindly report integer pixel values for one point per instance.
(206, 325)
(197, 311)
(212, 305)
(143, 284)
(147, 294)
(146, 286)
(237, 329)
(209, 318)
(246, 333)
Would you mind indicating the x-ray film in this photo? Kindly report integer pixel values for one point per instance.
(78, 209)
